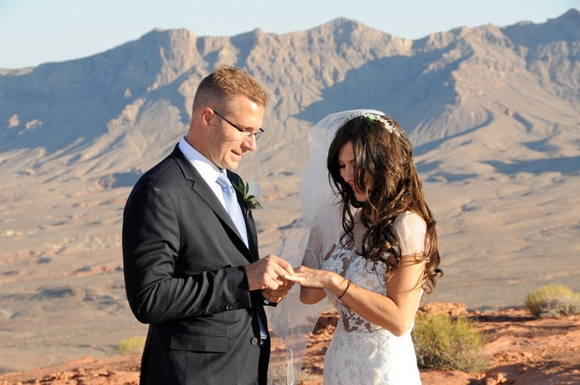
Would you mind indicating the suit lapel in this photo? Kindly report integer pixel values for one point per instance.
(205, 193)
(248, 218)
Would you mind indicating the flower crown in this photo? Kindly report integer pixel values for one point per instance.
(373, 117)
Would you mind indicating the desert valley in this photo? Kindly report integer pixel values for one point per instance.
(493, 112)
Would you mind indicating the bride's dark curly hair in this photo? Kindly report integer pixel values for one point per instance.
(396, 188)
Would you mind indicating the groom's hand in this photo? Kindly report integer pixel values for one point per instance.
(275, 296)
(268, 274)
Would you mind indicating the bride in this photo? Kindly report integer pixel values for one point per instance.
(374, 252)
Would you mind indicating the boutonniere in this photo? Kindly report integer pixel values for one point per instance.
(249, 199)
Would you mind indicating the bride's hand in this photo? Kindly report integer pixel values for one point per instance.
(308, 277)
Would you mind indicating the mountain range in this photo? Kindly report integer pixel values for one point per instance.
(493, 113)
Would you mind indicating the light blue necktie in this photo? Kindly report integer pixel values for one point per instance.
(236, 214)
(232, 205)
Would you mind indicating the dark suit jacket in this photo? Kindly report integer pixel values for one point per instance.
(183, 264)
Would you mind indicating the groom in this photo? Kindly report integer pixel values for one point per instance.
(190, 272)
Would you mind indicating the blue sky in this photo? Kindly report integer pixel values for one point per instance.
(39, 31)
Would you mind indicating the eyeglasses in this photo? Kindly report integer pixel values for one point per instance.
(244, 133)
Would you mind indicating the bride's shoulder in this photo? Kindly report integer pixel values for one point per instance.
(410, 220)
(410, 228)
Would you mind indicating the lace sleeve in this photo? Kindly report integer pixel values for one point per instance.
(410, 229)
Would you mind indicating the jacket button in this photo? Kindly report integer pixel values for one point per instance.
(254, 341)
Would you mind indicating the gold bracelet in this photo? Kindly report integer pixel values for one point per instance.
(345, 290)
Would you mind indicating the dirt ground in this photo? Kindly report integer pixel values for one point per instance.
(524, 350)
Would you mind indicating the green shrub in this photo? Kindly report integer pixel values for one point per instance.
(553, 301)
(447, 343)
(133, 345)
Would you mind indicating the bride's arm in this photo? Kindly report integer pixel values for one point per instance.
(313, 281)
(396, 311)
(310, 296)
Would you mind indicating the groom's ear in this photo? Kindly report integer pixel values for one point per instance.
(206, 115)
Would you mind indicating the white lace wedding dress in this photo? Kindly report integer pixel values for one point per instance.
(361, 352)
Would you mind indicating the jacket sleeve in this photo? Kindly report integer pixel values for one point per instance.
(156, 290)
